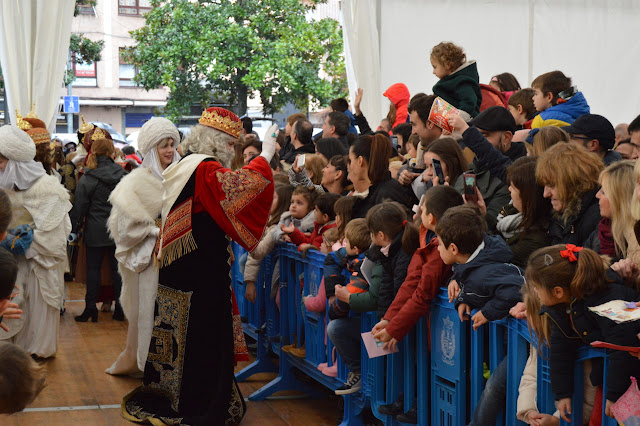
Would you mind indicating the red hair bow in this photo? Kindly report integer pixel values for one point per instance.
(570, 252)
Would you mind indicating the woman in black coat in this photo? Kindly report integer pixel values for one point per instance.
(92, 208)
(570, 175)
(369, 158)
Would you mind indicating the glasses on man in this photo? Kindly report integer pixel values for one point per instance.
(582, 138)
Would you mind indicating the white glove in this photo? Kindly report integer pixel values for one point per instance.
(155, 232)
(269, 143)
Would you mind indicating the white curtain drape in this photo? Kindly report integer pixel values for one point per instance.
(362, 52)
(592, 41)
(34, 46)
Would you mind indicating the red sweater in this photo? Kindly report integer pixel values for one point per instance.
(315, 239)
(425, 275)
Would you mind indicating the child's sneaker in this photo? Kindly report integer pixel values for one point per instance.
(352, 384)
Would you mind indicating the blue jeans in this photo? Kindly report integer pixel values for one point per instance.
(493, 398)
(345, 335)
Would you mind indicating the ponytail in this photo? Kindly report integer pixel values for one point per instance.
(579, 270)
(410, 238)
(376, 150)
(590, 274)
(379, 158)
(391, 219)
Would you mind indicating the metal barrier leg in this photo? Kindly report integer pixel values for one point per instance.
(424, 371)
(352, 412)
(286, 380)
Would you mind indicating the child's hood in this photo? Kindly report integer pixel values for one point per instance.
(495, 251)
(284, 216)
(307, 222)
(575, 107)
(398, 94)
(469, 69)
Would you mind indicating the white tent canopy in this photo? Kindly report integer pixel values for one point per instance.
(34, 46)
(592, 41)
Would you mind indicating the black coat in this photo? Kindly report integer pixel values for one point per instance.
(488, 281)
(386, 190)
(91, 204)
(574, 325)
(395, 271)
(290, 157)
(579, 227)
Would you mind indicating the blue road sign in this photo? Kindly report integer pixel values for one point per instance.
(71, 105)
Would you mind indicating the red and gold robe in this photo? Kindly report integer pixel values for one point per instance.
(196, 339)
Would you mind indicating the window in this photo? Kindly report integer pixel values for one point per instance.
(85, 8)
(133, 7)
(127, 71)
(85, 74)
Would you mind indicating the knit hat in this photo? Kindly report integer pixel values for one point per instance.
(155, 130)
(15, 144)
(35, 128)
(495, 119)
(221, 119)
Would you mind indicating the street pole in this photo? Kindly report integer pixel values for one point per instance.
(69, 90)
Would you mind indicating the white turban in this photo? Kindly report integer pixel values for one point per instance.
(154, 131)
(15, 144)
(17, 147)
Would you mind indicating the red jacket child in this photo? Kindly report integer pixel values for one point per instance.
(425, 275)
(315, 239)
(325, 219)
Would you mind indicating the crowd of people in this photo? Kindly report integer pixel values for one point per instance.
(528, 207)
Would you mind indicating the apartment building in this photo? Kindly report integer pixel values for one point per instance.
(106, 88)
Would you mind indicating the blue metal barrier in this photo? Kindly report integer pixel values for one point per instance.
(257, 325)
(445, 381)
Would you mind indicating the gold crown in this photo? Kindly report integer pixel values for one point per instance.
(224, 124)
(85, 127)
(24, 125)
(98, 134)
(32, 113)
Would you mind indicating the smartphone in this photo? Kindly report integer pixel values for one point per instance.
(301, 160)
(470, 186)
(394, 141)
(413, 167)
(437, 168)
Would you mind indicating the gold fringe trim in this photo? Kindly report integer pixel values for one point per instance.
(178, 248)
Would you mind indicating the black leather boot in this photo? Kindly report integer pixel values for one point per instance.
(88, 313)
(393, 409)
(410, 416)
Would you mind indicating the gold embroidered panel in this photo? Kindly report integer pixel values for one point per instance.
(170, 337)
(241, 187)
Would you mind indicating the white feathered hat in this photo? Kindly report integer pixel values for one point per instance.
(155, 130)
(15, 144)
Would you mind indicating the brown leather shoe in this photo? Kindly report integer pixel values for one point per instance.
(299, 352)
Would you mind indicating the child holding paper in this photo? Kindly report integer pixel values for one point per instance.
(570, 280)
(426, 273)
(459, 81)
